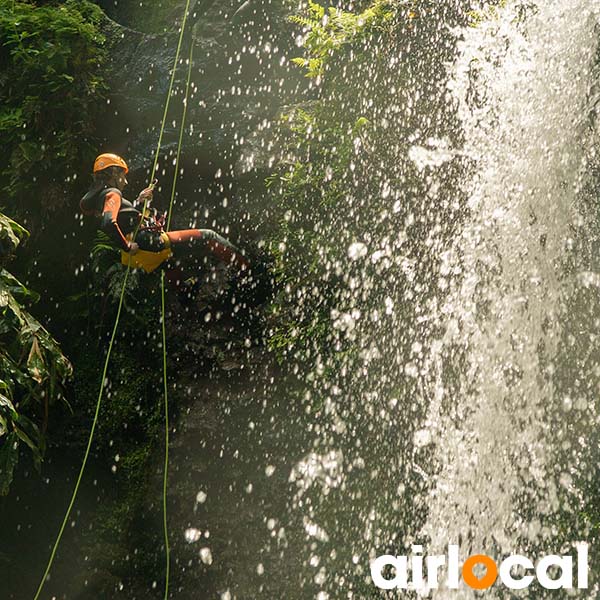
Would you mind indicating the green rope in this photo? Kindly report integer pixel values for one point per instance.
(163, 320)
(166, 464)
(166, 110)
(110, 347)
(181, 130)
(89, 444)
(164, 119)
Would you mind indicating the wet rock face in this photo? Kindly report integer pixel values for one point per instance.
(240, 78)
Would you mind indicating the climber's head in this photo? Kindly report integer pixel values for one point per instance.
(111, 170)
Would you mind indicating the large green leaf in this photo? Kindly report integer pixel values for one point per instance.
(32, 368)
(28, 432)
(11, 234)
(7, 409)
(11, 284)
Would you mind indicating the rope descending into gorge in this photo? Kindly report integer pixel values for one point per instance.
(116, 327)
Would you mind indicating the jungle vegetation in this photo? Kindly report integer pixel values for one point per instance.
(54, 55)
(33, 369)
(52, 60)
(338, 145)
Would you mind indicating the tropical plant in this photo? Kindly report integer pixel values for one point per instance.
(327, 30)
(51, 55)
(346, 179)
(32, 366)
(328, 145)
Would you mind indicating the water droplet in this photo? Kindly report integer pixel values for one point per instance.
(206, 556)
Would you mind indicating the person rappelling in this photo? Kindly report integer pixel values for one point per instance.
(141, 237)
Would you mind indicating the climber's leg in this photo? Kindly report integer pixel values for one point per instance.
(222, 248)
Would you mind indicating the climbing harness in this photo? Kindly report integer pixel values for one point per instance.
(146, 260)
(152, 222)
(116, 326)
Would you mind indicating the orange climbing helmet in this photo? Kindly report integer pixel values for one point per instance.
(109, 160)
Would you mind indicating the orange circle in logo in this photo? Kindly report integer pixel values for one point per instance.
(491, 573)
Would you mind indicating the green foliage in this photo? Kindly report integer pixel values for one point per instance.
(32, 368)
(325, 142)
(51, 86)
(347, 177)
(488, 13)
(309, 190)
(328, 30)
(106, 262)
(130, 432)
(11, 234)
(93, 308)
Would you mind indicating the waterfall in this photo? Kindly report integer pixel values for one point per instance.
(522, 82)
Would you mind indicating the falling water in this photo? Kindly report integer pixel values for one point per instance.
(471, 440)
(522, 82)
(460, 404)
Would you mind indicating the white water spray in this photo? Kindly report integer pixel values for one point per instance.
(522, 83)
